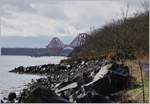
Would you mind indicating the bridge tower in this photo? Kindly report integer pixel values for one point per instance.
(55, 46)
(55, 43)
(79, 40)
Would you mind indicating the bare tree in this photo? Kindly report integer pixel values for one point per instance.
(145, 5)
(125, 12)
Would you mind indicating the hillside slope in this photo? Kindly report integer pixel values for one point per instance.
(125, 37)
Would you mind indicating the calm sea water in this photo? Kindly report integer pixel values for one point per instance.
(10, 82)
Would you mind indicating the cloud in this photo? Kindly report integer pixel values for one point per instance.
(8, 6)
(54, 11)
(58, 18)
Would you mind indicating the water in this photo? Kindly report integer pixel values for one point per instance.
(10, 82)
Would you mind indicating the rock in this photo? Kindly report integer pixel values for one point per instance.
(64, 96)
(70, 86)
(90, 98)
(21, 68)
(12, 96)
(2, 101)
(100, 99)
(102, 72)
(43, 95)
(83, 62)
(74, 82)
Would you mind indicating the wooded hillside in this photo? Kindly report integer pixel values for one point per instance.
(125, 38)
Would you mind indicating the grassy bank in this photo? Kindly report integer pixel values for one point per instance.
(135, 94)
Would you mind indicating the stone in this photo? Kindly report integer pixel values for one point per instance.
(43, 95)
(89, 98)
(2, 101)
(11, 96)
(77, 80)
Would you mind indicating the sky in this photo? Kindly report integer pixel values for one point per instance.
(23, 21)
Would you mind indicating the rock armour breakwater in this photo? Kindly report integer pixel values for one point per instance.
(84, 82)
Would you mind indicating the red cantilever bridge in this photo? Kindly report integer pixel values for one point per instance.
(55, 48)
(56, 43)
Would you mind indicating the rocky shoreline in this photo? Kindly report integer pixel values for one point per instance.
(95, 81)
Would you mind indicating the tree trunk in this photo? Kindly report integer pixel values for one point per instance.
(142, 80)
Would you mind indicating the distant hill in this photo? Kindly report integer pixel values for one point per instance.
(36, 51)
(25, 51)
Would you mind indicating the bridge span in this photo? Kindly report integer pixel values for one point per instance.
(55, 48)
(78, 41)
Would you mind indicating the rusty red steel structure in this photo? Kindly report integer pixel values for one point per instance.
(79, 40)
(56, 43)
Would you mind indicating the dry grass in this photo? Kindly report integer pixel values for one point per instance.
(134, 69)
(136, 94)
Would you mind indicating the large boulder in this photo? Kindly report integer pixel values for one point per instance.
(11, 97)
(43, 95)
(110, 78)
(90, 98)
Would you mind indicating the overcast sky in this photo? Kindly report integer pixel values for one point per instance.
(58, 17)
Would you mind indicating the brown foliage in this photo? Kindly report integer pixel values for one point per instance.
(125, 37)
